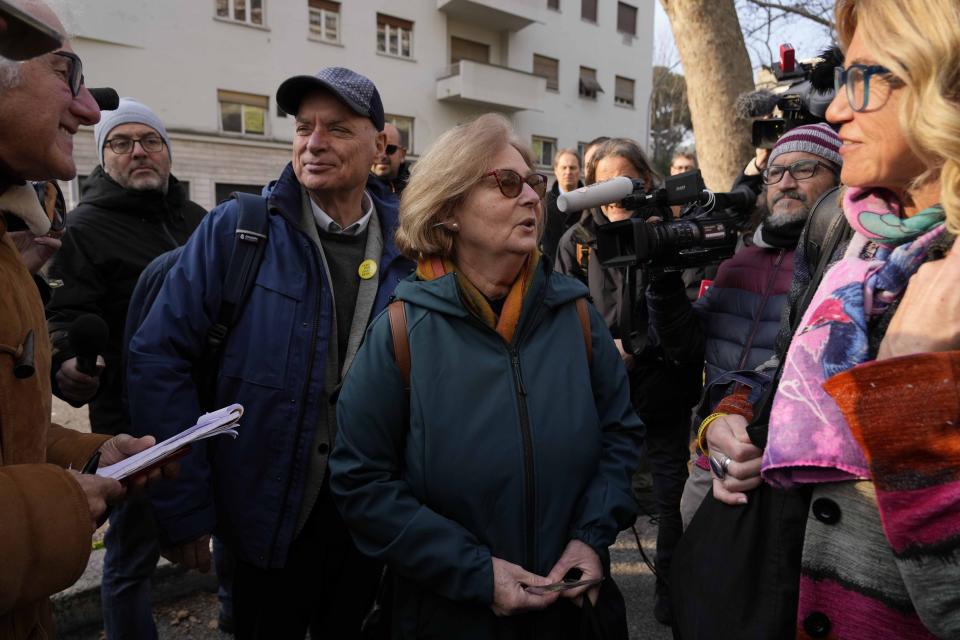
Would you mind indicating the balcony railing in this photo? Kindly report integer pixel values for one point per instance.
(498, 15)
(491, 86)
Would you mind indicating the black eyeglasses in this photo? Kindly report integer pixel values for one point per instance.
(391, 149)
(74, 77)
(856, 79)
(122, 146)
(511, 183)
(799, 170)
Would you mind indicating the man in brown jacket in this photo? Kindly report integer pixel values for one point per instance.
(49, 511)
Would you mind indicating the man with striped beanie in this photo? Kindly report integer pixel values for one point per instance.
(740, 312)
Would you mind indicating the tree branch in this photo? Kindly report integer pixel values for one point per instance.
(795, 10)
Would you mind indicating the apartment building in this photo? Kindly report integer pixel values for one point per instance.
(564, 71)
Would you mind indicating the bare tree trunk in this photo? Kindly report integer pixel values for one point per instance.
(717, 70)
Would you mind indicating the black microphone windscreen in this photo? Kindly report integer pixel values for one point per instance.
(107, 98)
(88, 334)
(755, 104)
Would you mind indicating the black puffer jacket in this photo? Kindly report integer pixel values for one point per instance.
(112, 235)
(660, 385)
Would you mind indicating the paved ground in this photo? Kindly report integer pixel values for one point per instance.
(194, 616)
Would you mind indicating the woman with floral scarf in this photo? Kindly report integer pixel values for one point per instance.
(867, 412)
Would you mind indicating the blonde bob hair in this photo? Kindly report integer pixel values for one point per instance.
(919, 41)
(442, 178)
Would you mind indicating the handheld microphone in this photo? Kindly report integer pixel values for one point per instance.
(596, 194)
(88, 336)
(107, 98)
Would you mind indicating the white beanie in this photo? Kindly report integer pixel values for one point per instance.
(129, 110)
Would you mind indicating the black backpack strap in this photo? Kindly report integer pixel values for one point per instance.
(248, 246)
(249, 243)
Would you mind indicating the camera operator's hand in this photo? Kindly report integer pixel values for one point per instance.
(627, 358)
(76, 386)
(727, 436)
(759, 162)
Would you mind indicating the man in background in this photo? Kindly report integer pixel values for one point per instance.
(132, 209)
(390, 165)
(682, 162)
(566, 169)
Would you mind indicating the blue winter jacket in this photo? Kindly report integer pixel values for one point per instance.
(250, 489)
(506, 450)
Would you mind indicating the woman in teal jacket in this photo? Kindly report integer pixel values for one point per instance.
(507, 463)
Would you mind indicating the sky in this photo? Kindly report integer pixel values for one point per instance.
(806, 37)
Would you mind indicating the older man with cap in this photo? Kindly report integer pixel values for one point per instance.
(131, 210)
(329, 266)
(49, 510)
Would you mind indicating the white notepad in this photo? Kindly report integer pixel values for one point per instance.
(222, 421)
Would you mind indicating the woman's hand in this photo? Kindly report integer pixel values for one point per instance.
(727, 437)
(509, 595)
(928, 318)
(578, 555)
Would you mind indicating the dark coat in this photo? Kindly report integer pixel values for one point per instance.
(249, 490)
(555, 222)
(112, 235)
(479, 460)
(662, 385)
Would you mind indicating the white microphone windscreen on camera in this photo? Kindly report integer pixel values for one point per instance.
(595, 195)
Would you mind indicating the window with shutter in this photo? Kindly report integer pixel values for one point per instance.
(626, 18)
(588, 10)
(549, 68)
(243, 112)
(589, 87)
(324, 20)
(394, 36)
(623, 95)
(463, 49)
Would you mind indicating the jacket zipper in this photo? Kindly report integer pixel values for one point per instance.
(763, 305)
(528, 475)
(300, 415)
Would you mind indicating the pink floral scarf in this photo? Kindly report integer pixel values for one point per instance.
(809, 440)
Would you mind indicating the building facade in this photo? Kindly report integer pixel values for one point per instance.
(564, 71)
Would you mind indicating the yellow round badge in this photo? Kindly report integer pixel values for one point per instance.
(368, 268)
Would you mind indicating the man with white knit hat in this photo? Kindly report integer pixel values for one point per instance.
(131, 210)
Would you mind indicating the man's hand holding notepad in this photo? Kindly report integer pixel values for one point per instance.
(210, 424)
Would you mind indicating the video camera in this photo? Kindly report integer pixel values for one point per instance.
(802, 94)
(705, 236)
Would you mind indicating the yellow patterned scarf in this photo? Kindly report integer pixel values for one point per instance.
(433, 267)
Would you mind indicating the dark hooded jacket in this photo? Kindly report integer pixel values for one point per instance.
(112, 235)
(661, 384)
(484, 457)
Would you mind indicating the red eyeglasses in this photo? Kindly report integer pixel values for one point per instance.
(511, 183)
